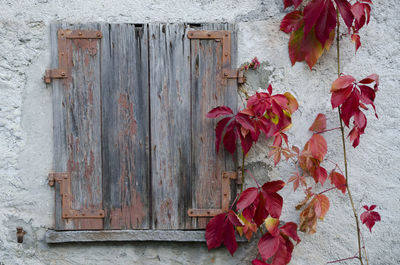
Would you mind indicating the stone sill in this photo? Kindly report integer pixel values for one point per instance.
(53, 236)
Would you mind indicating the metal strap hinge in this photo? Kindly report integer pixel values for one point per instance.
(62, 37)
(64, 180)
(225, 199)
(223, 36)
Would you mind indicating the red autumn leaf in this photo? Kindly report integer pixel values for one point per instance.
(297, 179)
(258, 262)
(252, 202)
(292, 21)
(356, 39)
(370, 79)
(290, 229)
(288, 3)
(349, 108)
(219, 111)
(229, 238)
(370, 217)
(320, 175)
(273, 201)
(321, 205)
(361, 12)
(312, 48)
(340, 96)
(273, 186)
(292, 104)
(261, 210)
(281, 256)
(276, 242)
(276, 153)
(247, 198)
(321, 15)
(214, 231)
(319, 123)
(272, 225)
(248, 229)
(342, 82)
(219, 129)
(338, 180)
(230, 137)
(318, 146)
(245, 121)
(268, 246)
(220, 229)
(350, 97)
(345, 11)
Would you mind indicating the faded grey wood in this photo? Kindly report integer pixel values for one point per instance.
(207, 92)
(77, 127)
(154, 92)
(53, 237)
(125, 126)
(169, 50)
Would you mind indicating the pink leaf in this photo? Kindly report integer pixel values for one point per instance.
(246, 198)
(219, 111)
(268, 245)
(214, 231)
(370, 217)
(290, 229)
(319, 123)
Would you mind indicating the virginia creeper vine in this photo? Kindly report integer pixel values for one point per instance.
(344, 146)
(312, 28)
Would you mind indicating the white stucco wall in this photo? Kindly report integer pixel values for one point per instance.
(26, 129)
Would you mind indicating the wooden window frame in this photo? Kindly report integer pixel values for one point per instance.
(59, 178)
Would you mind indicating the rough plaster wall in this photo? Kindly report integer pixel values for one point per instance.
(25, 129)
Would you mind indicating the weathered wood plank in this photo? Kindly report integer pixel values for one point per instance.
(77, 127)
(53, 237)
(125, 126)
(169, 50)
(208, 91)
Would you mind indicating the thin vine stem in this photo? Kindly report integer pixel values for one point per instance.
(340, 260)
(344, 144)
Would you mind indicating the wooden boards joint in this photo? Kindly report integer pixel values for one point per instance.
(223, 36)
(64, 180)
(225, 198)
(62, 35)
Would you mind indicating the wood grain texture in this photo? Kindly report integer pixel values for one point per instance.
(209, 91)
(77, 127)
(170, 98)
(130, 125)
(125, 126)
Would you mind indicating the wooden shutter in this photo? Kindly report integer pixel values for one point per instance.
(130, 129)
(125, 123)
(186, 81)
(77, 128)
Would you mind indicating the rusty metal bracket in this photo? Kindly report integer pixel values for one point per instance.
(225, 200)
(223, 36)
(62, 37)
(64, 180)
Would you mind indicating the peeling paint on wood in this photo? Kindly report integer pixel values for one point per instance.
(127, 95)
(77, 129)
(125, 126)
(170, 125)
(209, 91)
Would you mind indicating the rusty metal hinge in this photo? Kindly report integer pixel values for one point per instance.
(223, 36)
(64, 180)
(62, 37)
(225, 200)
